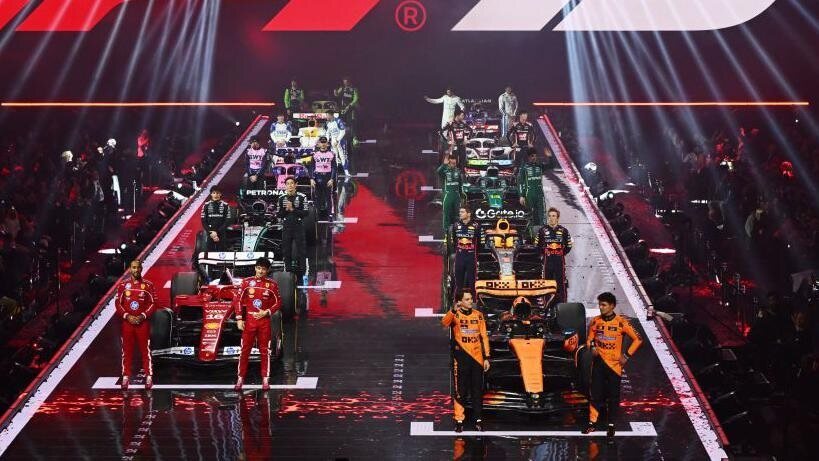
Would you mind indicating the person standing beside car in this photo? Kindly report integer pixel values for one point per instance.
(530, 187)
(605, 340)
(292, 209)
(347, 96)
(555, 242)
(470, 357)
(216, 216)
(508, 106)
(254, 303)
(135, 303)
(456, 134)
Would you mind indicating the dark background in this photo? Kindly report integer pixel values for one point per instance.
(393, 68)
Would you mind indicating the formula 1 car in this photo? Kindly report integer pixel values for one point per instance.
(498, 162)
(483, 117)
(199, 329)
(494, 196)
(537, 359)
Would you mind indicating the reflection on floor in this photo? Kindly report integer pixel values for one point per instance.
(381, 369)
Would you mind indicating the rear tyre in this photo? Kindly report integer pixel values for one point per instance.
(310, 232)
(277, 335)
(287, 290)
(184, 283)
(573, 316)
(201, 246)
(161, 325)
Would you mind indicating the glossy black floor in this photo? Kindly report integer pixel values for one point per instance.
(378, 367)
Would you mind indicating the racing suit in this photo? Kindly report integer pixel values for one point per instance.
(606, 337)
(464, 237)
(322, 170)
(293, 99)
(470, 347)
(280, 133)
(256, 294)
(530, 188)
(457, 133)
(556, 243)
(255, 166)
(216, 217)
(348, 105)
(508, 106)
(522, 135)
(293, 230)
(136, 297)
(336, 129)
(449, 102)
(451, 181)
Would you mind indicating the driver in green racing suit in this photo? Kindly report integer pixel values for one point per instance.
(451, 182)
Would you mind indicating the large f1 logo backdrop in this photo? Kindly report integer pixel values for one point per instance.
(487, 15)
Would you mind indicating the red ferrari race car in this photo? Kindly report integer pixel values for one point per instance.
(200, 328)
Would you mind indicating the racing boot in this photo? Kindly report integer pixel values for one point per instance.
(238, 386)
(265, 384)
(124, 383)
(459, 426)
(610, 432)
(589, 429)
(479, 425)
(149, 382)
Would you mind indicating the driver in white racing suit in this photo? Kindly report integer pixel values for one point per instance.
(336, 130)
(450, 102)
(280, 131)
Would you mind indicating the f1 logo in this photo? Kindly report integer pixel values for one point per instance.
(487, 15)
(612, 15)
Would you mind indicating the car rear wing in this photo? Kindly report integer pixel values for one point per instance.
(300, 154)
(236, 258)
(515, 288)
(310, 116)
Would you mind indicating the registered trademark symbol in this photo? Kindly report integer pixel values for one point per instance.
(410, 15)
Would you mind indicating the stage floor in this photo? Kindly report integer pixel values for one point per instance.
(365, 374)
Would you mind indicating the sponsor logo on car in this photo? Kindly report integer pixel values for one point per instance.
(212, 326)
(491, 213)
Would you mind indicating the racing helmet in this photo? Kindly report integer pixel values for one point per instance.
(521, 307)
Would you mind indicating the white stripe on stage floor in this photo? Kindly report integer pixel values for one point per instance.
(426, 428)
(112, 383)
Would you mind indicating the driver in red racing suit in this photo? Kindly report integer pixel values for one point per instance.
(135, 302)
(256, 300)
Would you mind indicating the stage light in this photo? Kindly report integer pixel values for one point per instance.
(185, 188)
(237, 124)
(112, 143)
(629, 236)
(636, 251)
(620, 223)
(590, 167)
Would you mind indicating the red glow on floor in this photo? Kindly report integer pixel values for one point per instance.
(380, 264)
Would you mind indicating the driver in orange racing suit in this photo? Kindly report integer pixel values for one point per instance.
(605, 340)
(470, 351)
(258, 298)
